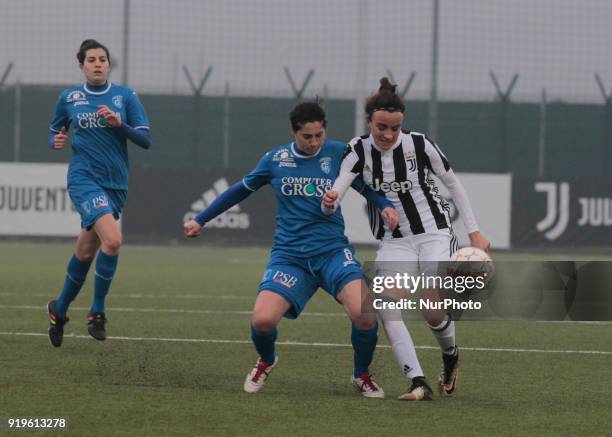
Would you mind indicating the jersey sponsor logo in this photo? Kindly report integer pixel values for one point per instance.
(305, 186)
(75, 96)
(388, 187)
(90, 120)
(325, 164)
(285, 279)
(233, 218)
(118, 101)
(81, 102)
(594, 211)
(284, 158)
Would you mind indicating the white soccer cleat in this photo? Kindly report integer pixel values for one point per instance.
(366, 385)
(256, 378)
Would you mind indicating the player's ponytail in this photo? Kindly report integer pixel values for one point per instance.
(89, 44)
(386, 99)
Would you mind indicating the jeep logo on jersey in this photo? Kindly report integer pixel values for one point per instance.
(118, 101)
(396, 187)
(233, 218)
(305, 186)
(75, 96)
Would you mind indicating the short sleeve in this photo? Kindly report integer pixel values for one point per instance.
(438, 162)
(136, 115)
(61, 118)
(260, 175)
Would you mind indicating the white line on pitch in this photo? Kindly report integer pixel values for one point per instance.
(314, 344)
(165, 310)
(150, 296)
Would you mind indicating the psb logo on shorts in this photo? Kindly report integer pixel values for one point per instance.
(285, 279)
(99, 202)
(118, 101)
(349, 258)
(325, 164)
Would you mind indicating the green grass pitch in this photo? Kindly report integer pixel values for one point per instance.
(180, 349)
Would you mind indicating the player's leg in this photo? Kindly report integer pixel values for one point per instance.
(76, 273)
(432, 249)
(341, 276)
(284, 291)
(401, 257)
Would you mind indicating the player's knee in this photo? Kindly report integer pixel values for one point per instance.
(86, 254)
(262, 323)
(111, 245)
(364, 322)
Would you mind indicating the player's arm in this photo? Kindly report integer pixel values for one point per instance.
(235, 194)
(58, 136)
(441, 167)
(351, 167)
(136, 127)
(384, 205)
(230, 197)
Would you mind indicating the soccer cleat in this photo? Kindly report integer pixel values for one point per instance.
(256, 378)
(418, 391)
(56, 325)
(95, 325)
(366, 385)
(447, 384)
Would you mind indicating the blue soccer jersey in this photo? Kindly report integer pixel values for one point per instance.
(299, 182)
(99, 151)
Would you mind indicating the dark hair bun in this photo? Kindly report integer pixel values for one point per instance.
(386, 86)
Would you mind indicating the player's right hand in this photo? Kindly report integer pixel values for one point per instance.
(391, 217)
(329, 199)
(59, 140)
(192, 229)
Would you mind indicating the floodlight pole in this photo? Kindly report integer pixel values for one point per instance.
(126, 41)
(542, 136)
(607, 120)
(433, 95)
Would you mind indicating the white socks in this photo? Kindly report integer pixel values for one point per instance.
(401, 342)
(445, 334)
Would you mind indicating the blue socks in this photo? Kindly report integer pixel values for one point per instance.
(105, 270)
(75, 277)
(364, 342)
(264, 344)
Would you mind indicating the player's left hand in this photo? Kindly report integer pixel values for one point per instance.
(329, 199)
(391, 217)
(111, 117)
(478, 240)
(192, 229)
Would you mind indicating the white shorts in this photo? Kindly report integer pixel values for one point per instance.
(415, 254)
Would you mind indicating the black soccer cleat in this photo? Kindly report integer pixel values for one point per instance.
(56, 325)
(447, 384)
(95, 325)
(418, 391)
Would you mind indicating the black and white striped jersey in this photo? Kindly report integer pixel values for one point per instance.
(402, 174)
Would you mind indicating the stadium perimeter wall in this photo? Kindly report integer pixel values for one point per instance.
(512, 211)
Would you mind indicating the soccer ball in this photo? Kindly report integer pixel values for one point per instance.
(472, 261)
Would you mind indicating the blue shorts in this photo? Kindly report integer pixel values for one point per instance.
(297, 279)
(92, 201)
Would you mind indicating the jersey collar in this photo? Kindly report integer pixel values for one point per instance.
(397, 143)
(97, 93)
(297, 153)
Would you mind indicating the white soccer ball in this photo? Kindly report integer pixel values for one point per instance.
(472, 261)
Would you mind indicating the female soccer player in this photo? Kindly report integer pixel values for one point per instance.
(398, 164)
(103, 116)
(309, 249)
